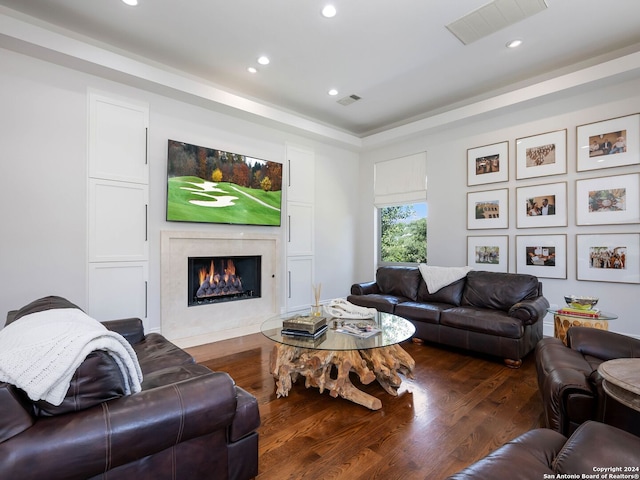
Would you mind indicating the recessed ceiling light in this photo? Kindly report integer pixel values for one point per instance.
(263, 60)
(514, 43)
(133, 3)
(252, 70)
(329, 11)
(333, 92)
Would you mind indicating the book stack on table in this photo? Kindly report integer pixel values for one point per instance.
(304, 326)
(589, 313)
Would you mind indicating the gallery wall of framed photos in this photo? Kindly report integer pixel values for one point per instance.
(561, 215)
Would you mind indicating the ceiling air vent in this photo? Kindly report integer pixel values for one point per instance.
(492, 17)
(349, 100)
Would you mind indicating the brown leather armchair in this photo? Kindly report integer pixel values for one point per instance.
(187, 422)
(595, 450)
(568, 377)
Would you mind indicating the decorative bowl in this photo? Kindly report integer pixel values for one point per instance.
(582, 303)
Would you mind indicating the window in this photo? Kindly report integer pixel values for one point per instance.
(403, 233)
(400, 193)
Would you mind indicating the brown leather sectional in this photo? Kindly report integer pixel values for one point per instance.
(498, 314)
(188, 422)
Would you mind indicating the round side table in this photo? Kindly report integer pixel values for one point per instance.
(622, 380)
(621, 384)
(563, 321)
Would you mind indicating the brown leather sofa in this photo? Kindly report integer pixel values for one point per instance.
(570, 384)
(188, 422)
(492, 313)
(595, 450)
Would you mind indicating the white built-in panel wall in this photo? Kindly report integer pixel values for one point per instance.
(300, 227)
(118, 202)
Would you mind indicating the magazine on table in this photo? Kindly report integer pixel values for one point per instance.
(367, 332)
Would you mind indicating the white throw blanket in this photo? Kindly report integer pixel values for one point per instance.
(340, 308)
(439, 277)
(40, 352)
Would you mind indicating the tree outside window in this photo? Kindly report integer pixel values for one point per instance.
(403, 233)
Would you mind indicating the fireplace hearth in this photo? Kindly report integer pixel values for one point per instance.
(223, 279)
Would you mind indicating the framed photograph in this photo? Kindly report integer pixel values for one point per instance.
(541, 155)
(489, 253)
(610, 143)
(608, 200)
(542, 205)
(488, 164)
(608, 257)
(488, 209)
(542, 255)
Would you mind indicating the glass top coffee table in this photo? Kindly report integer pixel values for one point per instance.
(326, 362)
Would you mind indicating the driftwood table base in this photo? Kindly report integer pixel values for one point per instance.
(330, 369)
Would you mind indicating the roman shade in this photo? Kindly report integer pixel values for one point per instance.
(401, 180)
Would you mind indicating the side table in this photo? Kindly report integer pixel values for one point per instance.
(563, 321)
(621, 383)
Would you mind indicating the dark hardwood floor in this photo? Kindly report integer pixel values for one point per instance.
(458, 408)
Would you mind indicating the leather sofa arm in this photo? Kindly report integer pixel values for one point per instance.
(602, 344)
(366, 288)
(530, 311)
(130, 328)
(117, 432)
(16, 411)
(558, 385)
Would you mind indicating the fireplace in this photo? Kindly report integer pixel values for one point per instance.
(189, 326)
(223, 279)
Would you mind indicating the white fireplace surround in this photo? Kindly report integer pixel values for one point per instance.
(189, 326)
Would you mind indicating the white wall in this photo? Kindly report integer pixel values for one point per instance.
(43, 134)
(447, 188)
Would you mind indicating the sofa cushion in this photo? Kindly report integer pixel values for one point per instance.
(156, 352)
(399, 281)
(498, 291)
(422, 312)
(474, 319)
(451, 294)
(173, 374)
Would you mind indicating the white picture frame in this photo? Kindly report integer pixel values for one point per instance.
(608, 200)
(591, 139)
(488, 209)
(488, 164)
(597, 256)
(541, 155)
(541, 205)
(544, 256)
(488, 252)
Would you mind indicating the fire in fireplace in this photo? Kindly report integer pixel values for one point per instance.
(223, 279)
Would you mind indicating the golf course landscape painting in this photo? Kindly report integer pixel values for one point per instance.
(205, 185)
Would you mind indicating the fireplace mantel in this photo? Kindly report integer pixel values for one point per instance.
(189, 326)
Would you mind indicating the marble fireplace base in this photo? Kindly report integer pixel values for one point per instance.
(189, 326)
